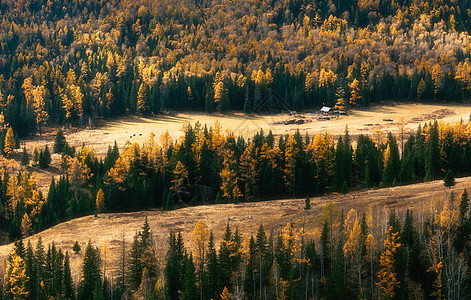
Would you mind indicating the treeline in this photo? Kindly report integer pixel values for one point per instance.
(207, 166)
(145, 58)
(370, 255)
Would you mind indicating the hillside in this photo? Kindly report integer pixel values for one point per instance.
(109, 228)
(151, 57)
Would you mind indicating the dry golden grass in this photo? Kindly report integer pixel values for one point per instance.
(109, 228)
(137, 129)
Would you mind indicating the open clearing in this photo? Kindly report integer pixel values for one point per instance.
(109, 228)
(136, 129)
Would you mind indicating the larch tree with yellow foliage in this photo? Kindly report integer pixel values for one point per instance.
(26, 226)
(291, 153)
(248, 172)
(100, 201)
(229, 181)
(387, 274)
(341, 102)
(15, 278)
(199, 238)
(179, 181)
(355, 96)
(39, 107)
(9, 145)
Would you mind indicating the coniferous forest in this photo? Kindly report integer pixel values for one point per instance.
(75, 63)
(68, 62)
(351, 256)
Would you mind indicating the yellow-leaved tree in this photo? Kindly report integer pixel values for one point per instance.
(199, 238)
(26, 226)
(387, 275)
(100, 201)
(229, 182)
(15, 278)
(291, 152)
(9, 142)
(355, 96)
(225, 294)
(180, 177)
(248, 172)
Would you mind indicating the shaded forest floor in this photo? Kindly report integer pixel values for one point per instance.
(109, 228)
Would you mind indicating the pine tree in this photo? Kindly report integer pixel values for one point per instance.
(134, 264)
(211, 279)
(44, 158)
(432, 155)
(175, 266)
(464, 206)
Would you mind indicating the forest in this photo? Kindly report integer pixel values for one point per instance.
(421, 255)
(71, 62)
(212, 166)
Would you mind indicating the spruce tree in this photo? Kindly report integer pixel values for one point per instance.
(449, 179)
(91, 284)
(190, 290)
(59, 142)
(464, 206)
(68, 281)
(134, 265)
(24, 157)
(307, 203)
(76, 247)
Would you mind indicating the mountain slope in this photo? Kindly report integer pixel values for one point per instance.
(109, 228)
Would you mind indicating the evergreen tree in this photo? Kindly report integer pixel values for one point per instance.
(91, 283)
(134, 264)
(44, 158)
(449, 179)
(190, 290)
(24, 157)
(307, 203)
(68, 281)
(59, 142)
(464, 206)
(175, 266)
(391, 162)
(432, 155)
(76, 247)
(211, 279)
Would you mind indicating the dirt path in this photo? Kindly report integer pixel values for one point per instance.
(109, 228)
